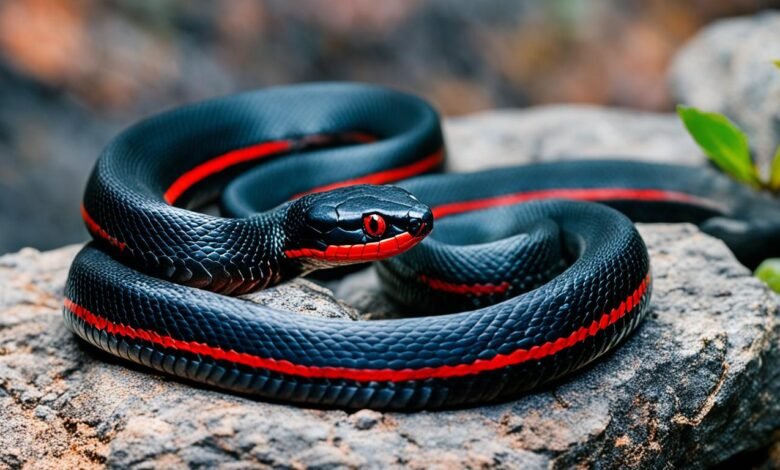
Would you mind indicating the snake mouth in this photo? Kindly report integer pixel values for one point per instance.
(364, 251)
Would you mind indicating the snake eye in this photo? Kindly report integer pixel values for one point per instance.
(374, 225)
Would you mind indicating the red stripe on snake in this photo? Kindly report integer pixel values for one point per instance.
(365, 375)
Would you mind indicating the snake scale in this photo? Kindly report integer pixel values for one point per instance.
(524, 280)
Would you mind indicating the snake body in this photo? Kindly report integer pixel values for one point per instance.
(541, 285)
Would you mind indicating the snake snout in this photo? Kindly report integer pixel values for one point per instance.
(420, 221)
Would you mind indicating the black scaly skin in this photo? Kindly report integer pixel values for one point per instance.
(426, 362)
(748, 222)
(124, 194)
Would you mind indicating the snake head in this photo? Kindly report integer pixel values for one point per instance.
(354, 224)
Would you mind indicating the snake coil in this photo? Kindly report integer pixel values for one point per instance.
(541, 284)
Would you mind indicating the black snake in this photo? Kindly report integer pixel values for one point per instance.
(543, 284)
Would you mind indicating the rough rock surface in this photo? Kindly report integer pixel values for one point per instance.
(728, 68)
(550, 133)
(698, 382)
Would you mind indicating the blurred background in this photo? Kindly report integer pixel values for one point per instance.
(75, 72)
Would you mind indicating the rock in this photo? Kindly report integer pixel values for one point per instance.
(728, 68)
(550, 133)
(695, 385)
(303, 297)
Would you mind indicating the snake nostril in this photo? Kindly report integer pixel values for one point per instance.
(414, 225)
(419, 226)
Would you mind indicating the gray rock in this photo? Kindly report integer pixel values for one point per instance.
(728, 68)
(550, 133)
(696, 384)
(303, 297)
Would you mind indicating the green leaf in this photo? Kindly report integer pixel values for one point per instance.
(769, 272)
(723, 142)
(777, 63)
(774, 176)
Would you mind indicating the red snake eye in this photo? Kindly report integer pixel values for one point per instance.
(374, 225)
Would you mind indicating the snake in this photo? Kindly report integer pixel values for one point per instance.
(532, 273)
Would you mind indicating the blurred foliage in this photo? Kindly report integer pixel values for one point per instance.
(774, 176)
(126, 57)
(769, 272)
(727, 146)
(723, 142)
